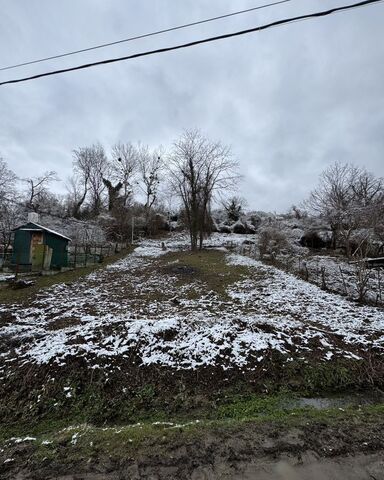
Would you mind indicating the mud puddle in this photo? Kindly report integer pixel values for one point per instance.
(335, 401)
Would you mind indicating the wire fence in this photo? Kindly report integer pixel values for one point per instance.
(83, 255)
(355, 280)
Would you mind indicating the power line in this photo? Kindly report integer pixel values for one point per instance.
(145, 35)
(277, 23)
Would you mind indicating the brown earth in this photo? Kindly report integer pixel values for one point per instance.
(313, 451)
(309, 467)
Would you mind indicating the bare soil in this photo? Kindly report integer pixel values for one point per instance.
(308, 467)
(317, 451)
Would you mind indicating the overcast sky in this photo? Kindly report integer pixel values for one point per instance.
(289, 100)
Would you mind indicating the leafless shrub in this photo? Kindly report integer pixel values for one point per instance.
(272, 241)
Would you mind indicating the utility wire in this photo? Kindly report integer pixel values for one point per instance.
(277, 23)
(145, 35)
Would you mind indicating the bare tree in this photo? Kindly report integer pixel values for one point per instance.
(363, 273)
(124, 165)
(7, 179)
(349, 198)
(37, 189)
(9, 206)
(199, 169)
(77, 189)
(10, 216)
(150, 164)
(90, 166)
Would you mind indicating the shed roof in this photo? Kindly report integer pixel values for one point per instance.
(35, 227)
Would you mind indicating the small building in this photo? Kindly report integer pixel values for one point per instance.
(39, 248)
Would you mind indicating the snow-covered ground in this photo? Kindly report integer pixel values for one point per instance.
(4, 277)
(340, 276)
(135, 312)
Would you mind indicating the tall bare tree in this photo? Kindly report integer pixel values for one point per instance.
(9, 206)
(77, 190)
(37, 189)
(124, 164)
(200, 168)
(7, 179)
(150, 165)
(90, 166)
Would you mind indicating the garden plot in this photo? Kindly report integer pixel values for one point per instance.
(173, 309)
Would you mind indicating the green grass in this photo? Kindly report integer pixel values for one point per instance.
(232, 408)
(210, 268)
(25, 295)
(74, 441)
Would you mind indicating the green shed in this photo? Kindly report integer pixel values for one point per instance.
(39, 248)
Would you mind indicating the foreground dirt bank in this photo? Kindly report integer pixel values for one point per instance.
(309, 467)
(315, 450)
(306, 467)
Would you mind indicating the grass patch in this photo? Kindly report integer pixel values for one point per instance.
(143, 408)
(8, 295)
(208, 266)
(86, 440)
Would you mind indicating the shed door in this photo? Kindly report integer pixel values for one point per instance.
(36, 239)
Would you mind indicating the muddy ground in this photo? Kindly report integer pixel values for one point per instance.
(308, 467)
(342, 449)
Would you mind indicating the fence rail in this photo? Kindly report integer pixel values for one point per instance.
(82, 255)
(78, 255)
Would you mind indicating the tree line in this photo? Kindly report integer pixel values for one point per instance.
(134, 180)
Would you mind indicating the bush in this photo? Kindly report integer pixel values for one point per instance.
(315, 239)
(239, 227)
(224, 228)
(272, 241)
